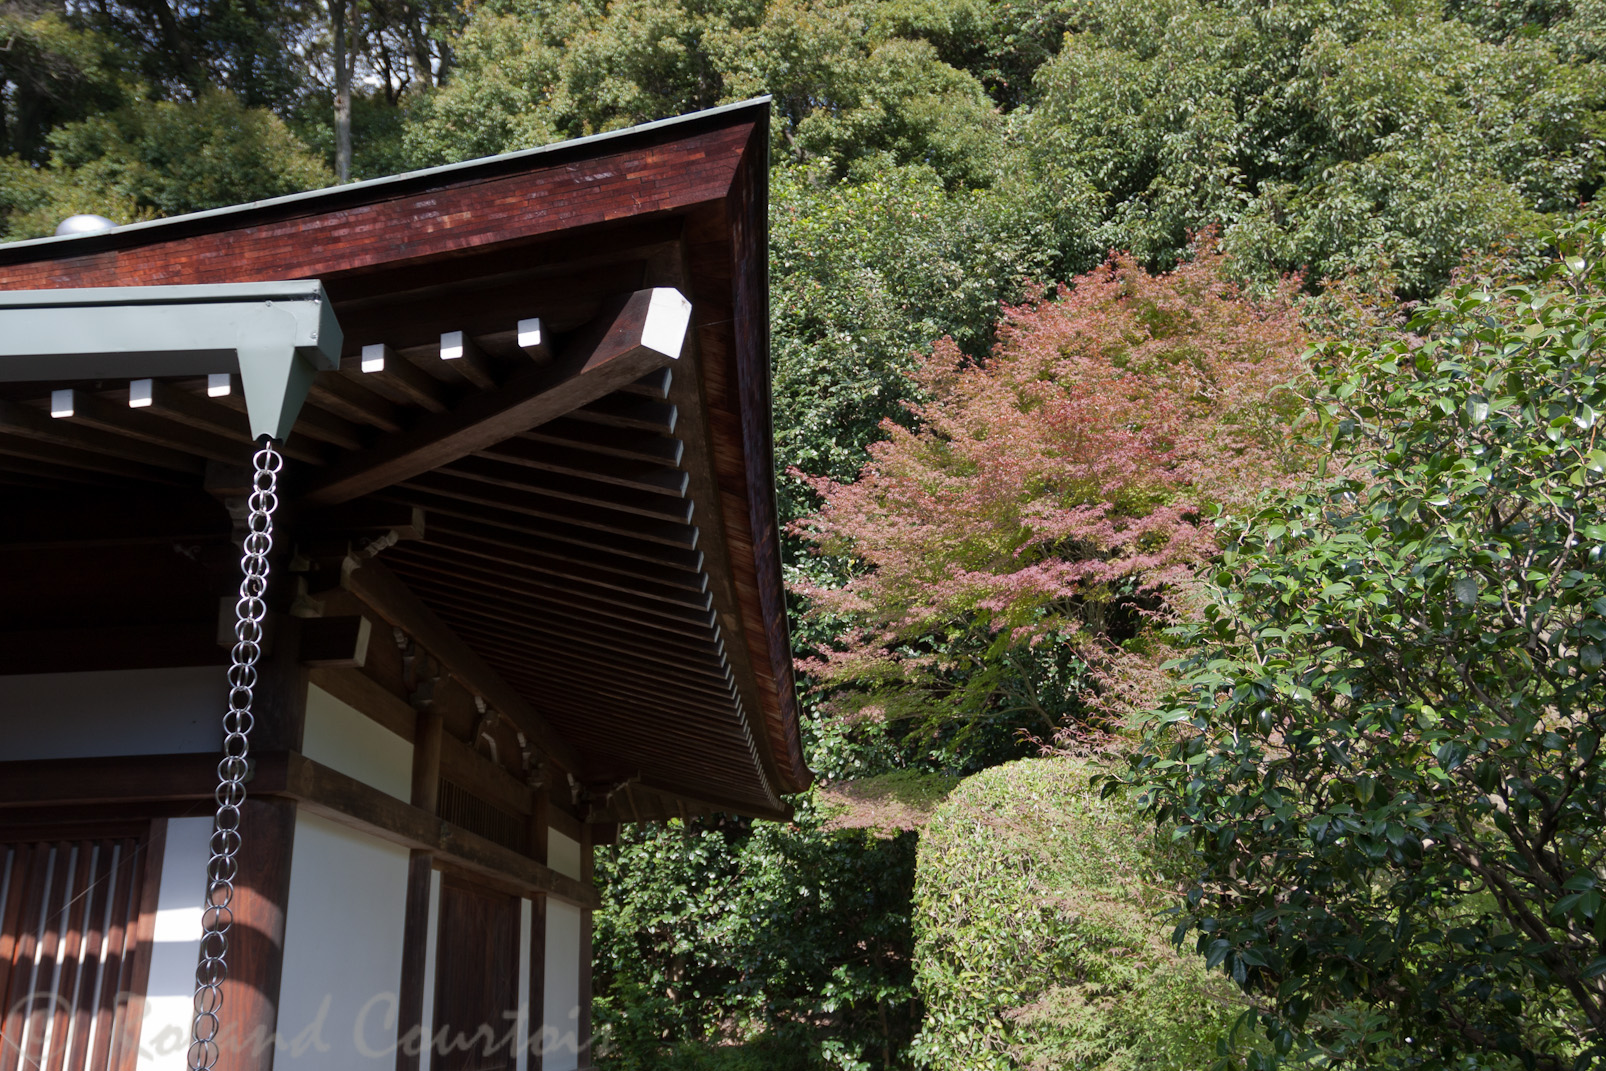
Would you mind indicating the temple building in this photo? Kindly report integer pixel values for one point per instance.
(524, 586)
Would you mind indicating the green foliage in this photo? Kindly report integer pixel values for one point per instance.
(378, 131)
(1376, 137)
(500, 62)
(864, 276)
(51, 72)
(785, 943)
(844, 89)
(1037, 938)
(158, 158)
(905, 104)
(890, 802)
(1001, 42)
(1010, 554)
(1385, 751)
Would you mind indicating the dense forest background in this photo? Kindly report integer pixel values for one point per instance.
(938, 167)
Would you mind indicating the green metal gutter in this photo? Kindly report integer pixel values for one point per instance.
(276, 336)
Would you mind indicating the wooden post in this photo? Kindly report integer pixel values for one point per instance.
(279, 705)
(587, 874)
(410, 991)
(427, 760)
(537, 984)
(537, 836)
(256, 940)
(134, 970)
(428, 732)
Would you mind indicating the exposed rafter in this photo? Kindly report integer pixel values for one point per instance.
(643, 333)
(383, 592)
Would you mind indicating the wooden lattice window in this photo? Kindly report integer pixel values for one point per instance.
(76, 918)
(468, 811)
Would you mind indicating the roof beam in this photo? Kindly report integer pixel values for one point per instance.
(543, 571)
(493, 545)
(26, 423)
(96, 412)
(643, 334)
(388, 368)
(618, 630)
(652, 479)
(633, 412)
(515, 475)
(642, 614)
(33, 452)
(467, 358)
(593, 438)
(548, 507)
(357, 404)
(704, 663)
(392, 600)
(522, 525)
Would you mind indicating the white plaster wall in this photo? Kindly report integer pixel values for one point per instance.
(344, 928)
(343, 738)
(164, 1035)
(561, 1015)
(563, 854)
(113, 712)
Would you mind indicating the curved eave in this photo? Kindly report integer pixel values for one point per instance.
(556, 232)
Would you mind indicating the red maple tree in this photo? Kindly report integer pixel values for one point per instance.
(1051, 502)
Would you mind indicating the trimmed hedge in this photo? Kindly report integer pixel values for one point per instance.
(1039, 935)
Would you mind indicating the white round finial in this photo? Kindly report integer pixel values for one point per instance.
(83, 224)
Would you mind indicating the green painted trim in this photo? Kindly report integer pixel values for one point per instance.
(277, 336)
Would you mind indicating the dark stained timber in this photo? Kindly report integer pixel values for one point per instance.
(535, 499)
(537, 526)
(620, 352)
(564, 512)
(506, 548)
(652, 447)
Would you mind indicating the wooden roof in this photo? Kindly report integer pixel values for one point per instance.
(615, 563)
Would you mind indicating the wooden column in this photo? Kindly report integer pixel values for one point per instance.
(537, 835)
(427, 760)
(428, 732)
(250, 1013)
(537, 983)
(587, 875)
(279, 706)
(119, 1019)
(410, 991)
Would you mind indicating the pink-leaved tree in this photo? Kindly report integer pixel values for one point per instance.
(1013, 553)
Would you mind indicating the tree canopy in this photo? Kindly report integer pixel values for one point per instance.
(1011, 482)
(1385, 745)
(1047, 505)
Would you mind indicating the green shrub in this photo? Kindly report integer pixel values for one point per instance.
(1039, 938)
(725, 944)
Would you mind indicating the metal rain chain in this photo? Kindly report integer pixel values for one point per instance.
(233, 769)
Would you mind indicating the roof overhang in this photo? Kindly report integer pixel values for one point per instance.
(557, 358)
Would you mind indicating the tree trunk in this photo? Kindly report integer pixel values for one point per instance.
(343, 71)
(417, 36)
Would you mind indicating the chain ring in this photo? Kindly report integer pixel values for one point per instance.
(249, 609)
